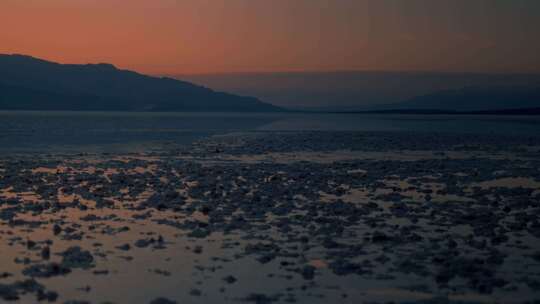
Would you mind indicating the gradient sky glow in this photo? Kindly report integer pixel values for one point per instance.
(214, 36)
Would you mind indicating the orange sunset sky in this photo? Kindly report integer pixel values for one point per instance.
(216, 36)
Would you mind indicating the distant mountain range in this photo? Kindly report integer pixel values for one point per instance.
(489, 98)
(350, 91)
(28, 83)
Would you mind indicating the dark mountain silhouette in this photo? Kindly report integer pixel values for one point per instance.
(28, 83)
(346, 91)
(488, 98)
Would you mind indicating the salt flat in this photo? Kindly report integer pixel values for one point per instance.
(307, 217)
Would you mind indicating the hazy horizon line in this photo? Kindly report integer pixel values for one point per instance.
(284, 71)
(345, 71)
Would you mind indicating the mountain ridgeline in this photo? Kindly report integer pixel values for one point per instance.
(27, 83)
(488, 98)
(356, 91)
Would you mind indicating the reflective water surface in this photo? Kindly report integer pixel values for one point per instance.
(128, 132)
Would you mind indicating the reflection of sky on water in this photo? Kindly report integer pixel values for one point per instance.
(414, 123)
(126, 132)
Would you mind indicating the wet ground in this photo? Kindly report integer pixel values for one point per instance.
(306, 217)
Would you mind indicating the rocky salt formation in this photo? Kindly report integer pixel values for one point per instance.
(316, 217)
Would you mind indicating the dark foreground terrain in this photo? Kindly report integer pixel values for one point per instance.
(306, 217)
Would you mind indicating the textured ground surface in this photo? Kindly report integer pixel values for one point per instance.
(309, 217)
